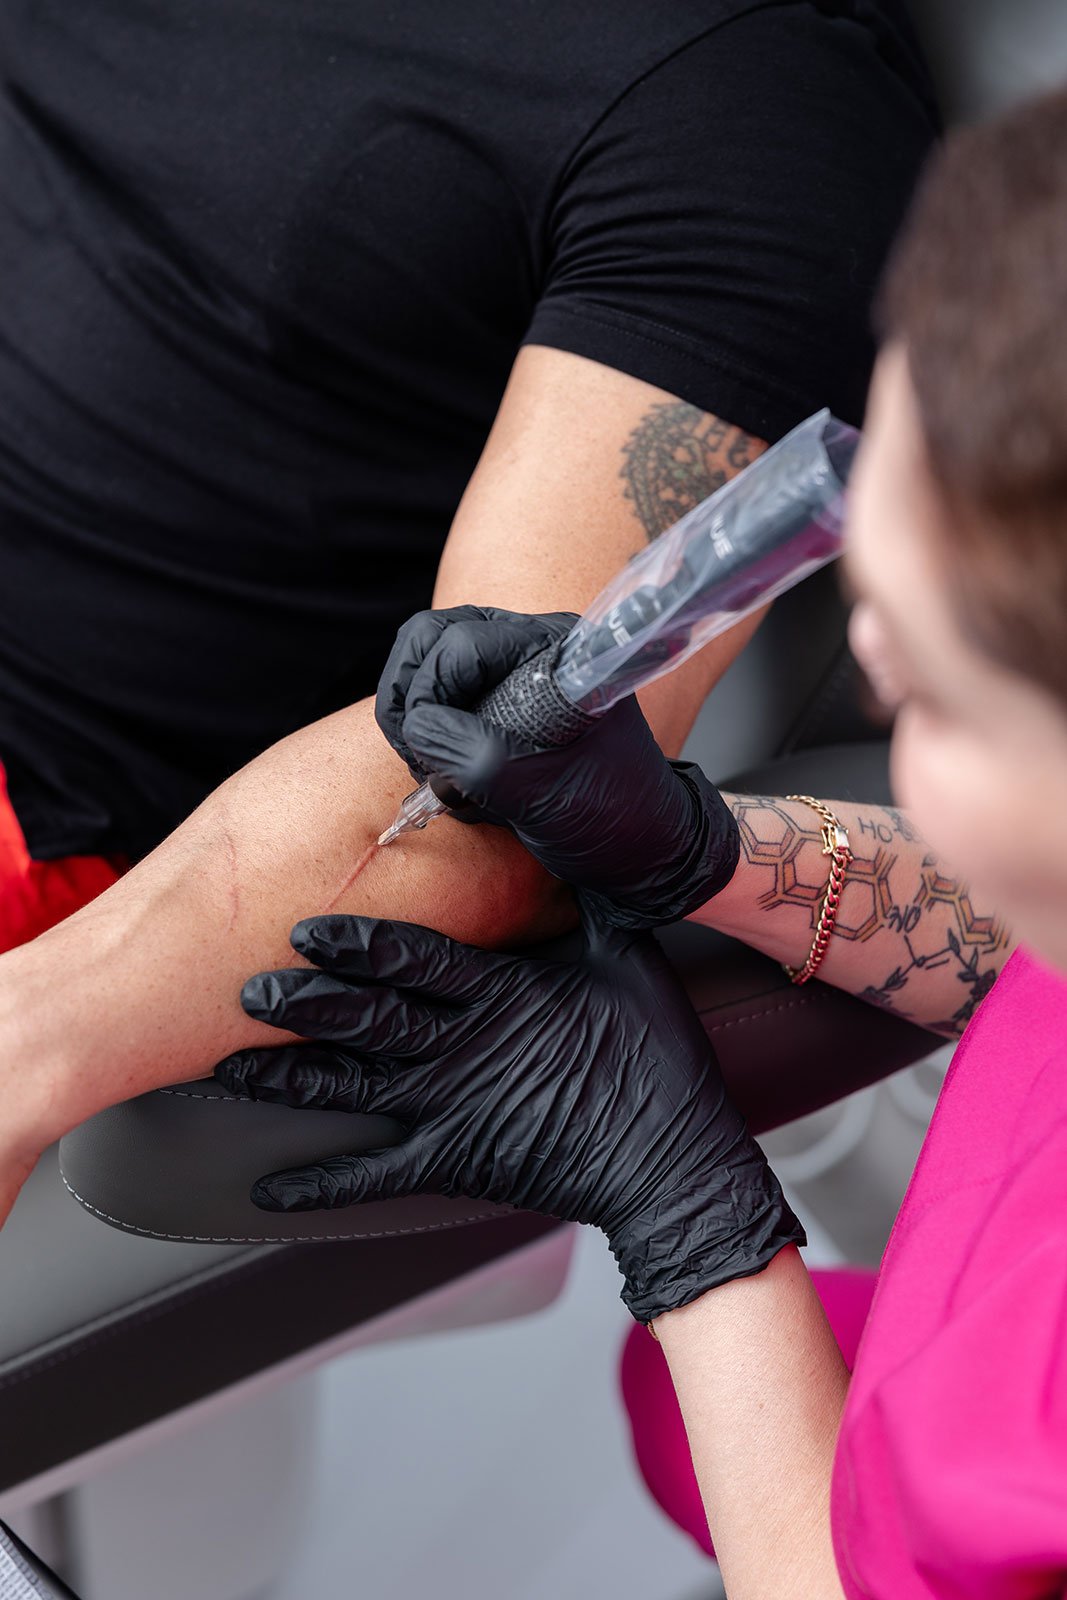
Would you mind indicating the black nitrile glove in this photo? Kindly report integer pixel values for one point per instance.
(646, 839)
(586, 1091)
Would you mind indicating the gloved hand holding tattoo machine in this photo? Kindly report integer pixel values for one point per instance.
(585, 1090)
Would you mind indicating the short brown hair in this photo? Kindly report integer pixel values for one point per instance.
(976, 290)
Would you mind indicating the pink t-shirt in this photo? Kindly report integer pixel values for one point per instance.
(951, 1471)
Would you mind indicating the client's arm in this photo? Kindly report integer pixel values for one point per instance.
(908, 936)
(140, 989)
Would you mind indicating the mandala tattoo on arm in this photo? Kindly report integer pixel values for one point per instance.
(933, 925)
(676, 457)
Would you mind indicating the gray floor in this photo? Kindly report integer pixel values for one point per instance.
(493, 1464)
(485, 1464)
(490, 1465)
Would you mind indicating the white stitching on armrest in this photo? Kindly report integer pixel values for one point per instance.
(215, 1099)
(318, 1238)
(753, 1016)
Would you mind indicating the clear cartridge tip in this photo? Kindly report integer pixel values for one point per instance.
(416, 810)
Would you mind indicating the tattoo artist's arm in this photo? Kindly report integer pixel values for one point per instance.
(141, 989)
(908, 937)
(761, 1384)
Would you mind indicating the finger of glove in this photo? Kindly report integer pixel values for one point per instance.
(568, 796)
(374, 950)
(313, 1004)
(581, 794)
(411, 646)
(341, 1181)
(606, 939)
(308, 1078)
(458, 746)
(471, 658)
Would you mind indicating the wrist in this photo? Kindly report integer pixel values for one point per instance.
(691, 1319)
(717, 838)
(740, 909)
(55, 1054)
(687, 844)
(732, 911)
(30, 1065)
(778, 850)
(699, 1239)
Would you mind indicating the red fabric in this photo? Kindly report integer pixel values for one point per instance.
(659, 1440)
(35, 895)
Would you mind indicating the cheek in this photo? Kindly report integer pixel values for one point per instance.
(953, 788)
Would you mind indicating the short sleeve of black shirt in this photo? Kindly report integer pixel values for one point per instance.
(720, 231)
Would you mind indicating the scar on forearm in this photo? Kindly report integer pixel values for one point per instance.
(234, 879)
(676, 457)
(364, 861)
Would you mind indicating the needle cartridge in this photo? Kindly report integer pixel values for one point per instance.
(416, 810)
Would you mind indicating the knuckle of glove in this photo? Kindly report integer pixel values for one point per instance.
(297, 1078)
(309, 1189)
(333, 938)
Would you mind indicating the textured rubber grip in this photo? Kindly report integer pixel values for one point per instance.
(530, 704)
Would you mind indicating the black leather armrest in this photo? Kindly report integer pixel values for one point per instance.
(102, 1331)
(177, 1164)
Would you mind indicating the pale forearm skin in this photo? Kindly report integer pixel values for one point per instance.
(908, 937)
(762, 1385)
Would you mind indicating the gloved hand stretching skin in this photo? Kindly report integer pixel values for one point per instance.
(583, 1090)
(647, 840)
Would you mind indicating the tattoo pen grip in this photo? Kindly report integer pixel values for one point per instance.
(755, 537)
(530, 704)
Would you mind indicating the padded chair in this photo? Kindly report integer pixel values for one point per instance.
(140, 1288)
(189, 1305)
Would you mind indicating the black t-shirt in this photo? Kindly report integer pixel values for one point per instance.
(265, 267)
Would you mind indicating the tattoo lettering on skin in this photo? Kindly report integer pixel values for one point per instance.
(888, 825)
(678, 455)
(903, 826)
(936, 925)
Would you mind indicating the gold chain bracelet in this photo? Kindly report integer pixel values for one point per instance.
(835, 844)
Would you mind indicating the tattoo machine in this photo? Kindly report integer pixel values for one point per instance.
(777, 522)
